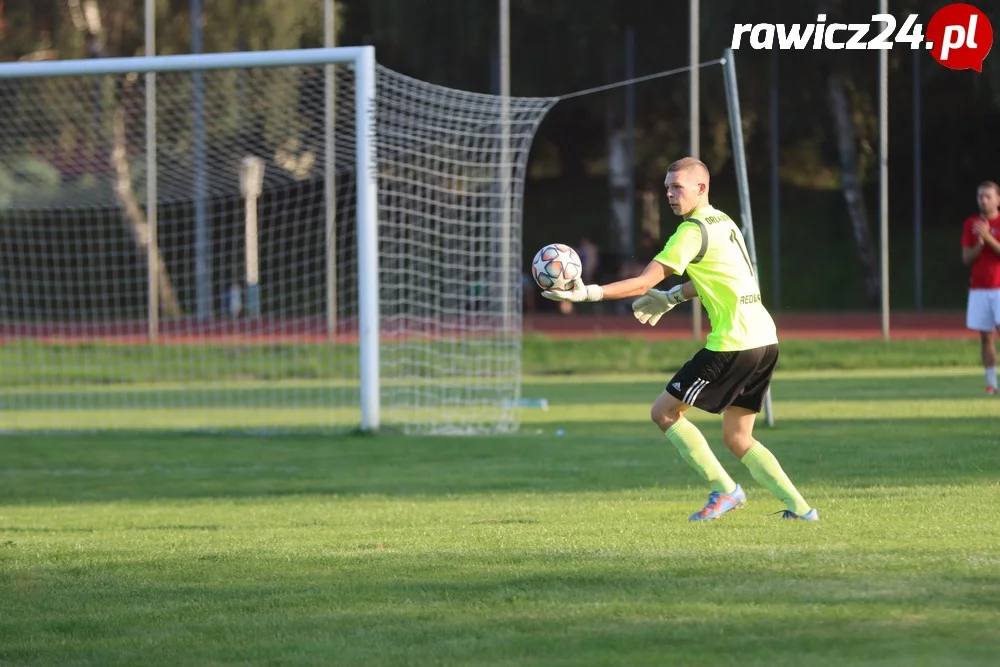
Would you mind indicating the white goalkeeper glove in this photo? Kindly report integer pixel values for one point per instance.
(651, 306)
(576, 293)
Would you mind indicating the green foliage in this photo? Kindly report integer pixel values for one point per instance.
(227, 25)
(559, 47)
(27, 175)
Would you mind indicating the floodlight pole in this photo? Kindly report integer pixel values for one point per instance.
(883, 169)
(330, 168)
(918, 211)
(694, 114)
(152, 243)
(630, 133)
(202, 237)
(775, 185)
(506, 284)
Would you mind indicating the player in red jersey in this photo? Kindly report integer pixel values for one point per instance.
(981, 251)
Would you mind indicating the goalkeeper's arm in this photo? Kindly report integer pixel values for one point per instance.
(654, 274)
(642, 284)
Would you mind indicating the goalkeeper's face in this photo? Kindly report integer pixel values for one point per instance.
(686, 192)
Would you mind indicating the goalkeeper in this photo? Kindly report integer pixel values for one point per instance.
(733, 372)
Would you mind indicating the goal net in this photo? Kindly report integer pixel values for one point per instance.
(180, 250)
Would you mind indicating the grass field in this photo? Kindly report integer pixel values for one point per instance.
(536, 549)
(282, 387)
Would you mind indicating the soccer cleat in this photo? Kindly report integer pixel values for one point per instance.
(991, 391)
(811, 515)
(720, 503)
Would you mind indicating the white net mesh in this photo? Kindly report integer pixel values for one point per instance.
(270, 342)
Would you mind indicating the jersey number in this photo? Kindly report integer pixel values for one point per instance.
(738, 240)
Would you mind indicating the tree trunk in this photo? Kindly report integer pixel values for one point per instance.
(134, 216)
(847, 147)
(86, 16)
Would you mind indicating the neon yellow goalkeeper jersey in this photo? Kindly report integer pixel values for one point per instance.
(709, 247)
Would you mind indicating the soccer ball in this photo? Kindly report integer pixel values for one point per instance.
(555, 266)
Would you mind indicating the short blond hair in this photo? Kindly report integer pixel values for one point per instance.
(686, 163)
(990, 184)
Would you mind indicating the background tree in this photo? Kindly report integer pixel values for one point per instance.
(828, 130)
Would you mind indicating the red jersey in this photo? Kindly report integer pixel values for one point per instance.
(986, 268)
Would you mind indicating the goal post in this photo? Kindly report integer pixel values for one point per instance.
(361, 239)
(366, 175)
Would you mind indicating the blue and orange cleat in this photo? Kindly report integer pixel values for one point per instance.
(811, 515)
(991, 391)
(720, 503)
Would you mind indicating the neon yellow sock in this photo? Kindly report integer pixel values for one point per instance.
(768, 473)
(695, 450)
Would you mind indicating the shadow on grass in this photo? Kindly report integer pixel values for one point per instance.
(577, 608)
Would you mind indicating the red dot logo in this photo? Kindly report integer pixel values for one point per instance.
(959, 36)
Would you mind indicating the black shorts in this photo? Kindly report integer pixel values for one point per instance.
(712, 381)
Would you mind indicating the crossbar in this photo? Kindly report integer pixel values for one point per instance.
(182, 63)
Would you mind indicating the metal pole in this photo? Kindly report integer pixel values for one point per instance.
(694, 115)
(152, 247)
(330, 169)
(775, 187)
(202, 245)
(183, 63)
(504, 171)
(883, 160)
(739, 156)
(630, 131)
(918, 212)
(742, 180)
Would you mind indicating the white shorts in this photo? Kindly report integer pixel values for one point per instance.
(983, 313)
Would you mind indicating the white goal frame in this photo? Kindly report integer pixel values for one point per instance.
(362, 60)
